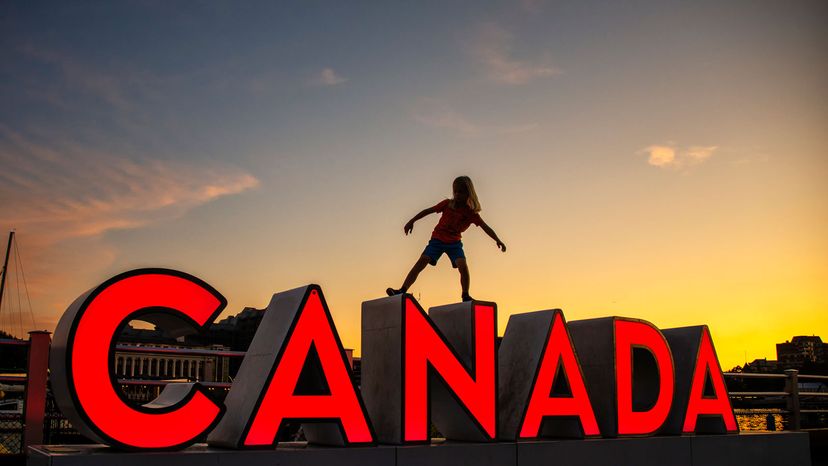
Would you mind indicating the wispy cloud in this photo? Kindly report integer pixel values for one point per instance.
(669, 156)
(117, 89)
(60, 191)
(517, 129)
(661, 156)
(437, 114)
(64, 194)
(327, 77)
(492, 49)
(532, 6)
(698, 154)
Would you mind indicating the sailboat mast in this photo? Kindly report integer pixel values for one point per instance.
(5, 266)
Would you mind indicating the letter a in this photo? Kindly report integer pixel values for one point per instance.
(695, 411)
(707, 365)
(264, 396)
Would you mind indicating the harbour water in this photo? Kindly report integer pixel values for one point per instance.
(757, 420)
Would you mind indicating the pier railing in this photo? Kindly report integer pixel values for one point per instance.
(22, 427)
(791, 395)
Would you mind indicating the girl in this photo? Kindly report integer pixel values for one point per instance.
(458, 214)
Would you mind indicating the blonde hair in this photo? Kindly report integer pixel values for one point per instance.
(472, 202)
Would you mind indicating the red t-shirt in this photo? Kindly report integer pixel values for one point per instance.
(453, 222)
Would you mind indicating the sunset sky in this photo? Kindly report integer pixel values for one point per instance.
(662, 160)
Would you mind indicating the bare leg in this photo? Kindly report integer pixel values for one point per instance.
(418, 267)
(463, 268)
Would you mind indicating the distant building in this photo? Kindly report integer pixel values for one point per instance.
(162, 365)
(165, 363)
(801, 351)
(762, 366)
(235, 332)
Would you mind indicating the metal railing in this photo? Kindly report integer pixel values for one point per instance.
(791, 394)
(20, 429)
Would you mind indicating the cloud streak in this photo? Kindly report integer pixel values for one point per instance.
(118, 89)
(66, 191)
(58, 192)
(327, 77)
(436, 114)
(671, 157)
(492, 49)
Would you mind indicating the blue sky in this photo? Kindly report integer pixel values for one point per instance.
(656, 159)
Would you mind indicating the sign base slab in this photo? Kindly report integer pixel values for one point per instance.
(745, 449)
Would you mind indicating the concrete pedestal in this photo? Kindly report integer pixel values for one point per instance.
(760, 449)
(286, 454)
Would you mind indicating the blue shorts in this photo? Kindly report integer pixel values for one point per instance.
(436, 248)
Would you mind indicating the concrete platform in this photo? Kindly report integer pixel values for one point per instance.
(748, 449)
(296, 454)
(754, 449)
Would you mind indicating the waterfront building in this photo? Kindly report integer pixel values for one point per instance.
(801, 351)
(163, 365)
(764, 365)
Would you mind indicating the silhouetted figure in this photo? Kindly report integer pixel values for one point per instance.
(457, 214)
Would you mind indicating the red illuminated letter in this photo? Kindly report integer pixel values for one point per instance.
(707, 365)
(558, 353)
(630, 334)
(313, 326)
(83, 376)
(475, 387)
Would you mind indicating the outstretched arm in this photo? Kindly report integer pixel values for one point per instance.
(409, 227)
(493, 235)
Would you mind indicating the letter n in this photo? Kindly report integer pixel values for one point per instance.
(266, 393)
(417, 369)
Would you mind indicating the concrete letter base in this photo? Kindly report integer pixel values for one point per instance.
(753, 449)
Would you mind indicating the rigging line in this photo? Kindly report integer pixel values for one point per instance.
(25, 285)
(19, 300)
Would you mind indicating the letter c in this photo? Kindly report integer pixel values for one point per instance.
(83, 370)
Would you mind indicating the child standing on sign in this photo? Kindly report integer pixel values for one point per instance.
(458, 213)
